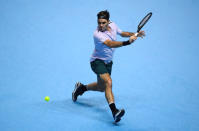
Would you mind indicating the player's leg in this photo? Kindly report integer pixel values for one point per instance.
(108, 84)
(104, 83)
(81, 88)
(117, 114)
(98, 66)
(96, 86)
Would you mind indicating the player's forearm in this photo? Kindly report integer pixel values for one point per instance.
(127, 34)
(115, 44)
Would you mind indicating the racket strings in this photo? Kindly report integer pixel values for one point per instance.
(144, 21)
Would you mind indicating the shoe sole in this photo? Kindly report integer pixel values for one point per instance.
(73, 93)
(118, 118)
(73, 98)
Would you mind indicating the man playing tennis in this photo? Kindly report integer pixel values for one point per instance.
(101, 60)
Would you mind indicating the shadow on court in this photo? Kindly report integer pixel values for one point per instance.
(95, 109)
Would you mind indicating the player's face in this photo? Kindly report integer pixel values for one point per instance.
(102, 24)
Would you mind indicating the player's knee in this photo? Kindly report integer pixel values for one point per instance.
(108, 83)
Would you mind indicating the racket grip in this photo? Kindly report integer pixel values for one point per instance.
(136, 34)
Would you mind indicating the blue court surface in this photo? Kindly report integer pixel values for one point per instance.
(45, 47)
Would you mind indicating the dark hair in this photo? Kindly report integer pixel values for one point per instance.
(103, 15)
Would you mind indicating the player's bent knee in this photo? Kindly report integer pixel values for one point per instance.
(106, 80)
(108, 83)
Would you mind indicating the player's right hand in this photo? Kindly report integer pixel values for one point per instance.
(132, 38)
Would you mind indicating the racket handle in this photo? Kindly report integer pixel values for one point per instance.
(136, 34)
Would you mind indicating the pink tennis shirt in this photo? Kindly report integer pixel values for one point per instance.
(102, 51)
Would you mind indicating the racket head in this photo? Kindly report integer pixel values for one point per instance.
(144, 21)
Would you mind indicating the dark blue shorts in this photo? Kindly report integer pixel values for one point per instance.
(99, 67)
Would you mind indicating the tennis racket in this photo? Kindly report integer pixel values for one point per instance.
(143, 22)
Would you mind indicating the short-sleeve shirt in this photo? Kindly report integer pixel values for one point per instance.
(102, 51)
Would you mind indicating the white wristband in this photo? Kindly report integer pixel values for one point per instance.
(136, 34)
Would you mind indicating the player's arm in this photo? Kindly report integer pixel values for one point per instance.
(126, 34)
(115, 44)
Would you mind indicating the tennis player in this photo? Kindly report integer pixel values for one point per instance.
(101, 60)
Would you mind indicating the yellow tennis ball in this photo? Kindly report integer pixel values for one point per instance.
(47, 98)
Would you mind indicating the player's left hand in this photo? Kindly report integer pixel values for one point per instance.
(141, 34)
